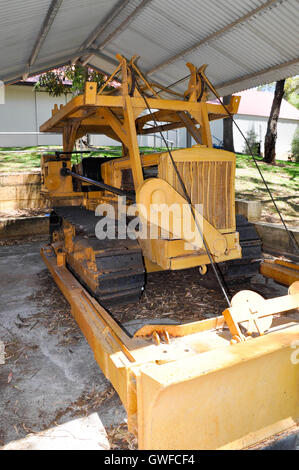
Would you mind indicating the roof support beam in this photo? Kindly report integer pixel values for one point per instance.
(213, 36)
(46, 26)
(17, 76)
(257, 74)
(119, 29)
(222, 86)
(102, 26)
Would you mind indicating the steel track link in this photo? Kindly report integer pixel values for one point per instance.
(118, 275)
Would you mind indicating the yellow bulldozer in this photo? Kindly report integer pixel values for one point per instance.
(228, 382)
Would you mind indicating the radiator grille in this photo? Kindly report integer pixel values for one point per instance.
(210, 183)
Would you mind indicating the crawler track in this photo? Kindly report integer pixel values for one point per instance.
(243, 269)
(112, 270)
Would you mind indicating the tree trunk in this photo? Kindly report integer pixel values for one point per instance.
(271, 135)
(228, 135)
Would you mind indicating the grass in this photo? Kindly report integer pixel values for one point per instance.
(282, 178)
(16, 159)
(283, 182)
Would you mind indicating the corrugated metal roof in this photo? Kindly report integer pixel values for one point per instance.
(74, 22)
(19, 27)
(244, 42)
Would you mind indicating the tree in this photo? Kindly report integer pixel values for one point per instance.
(271, 134)
(252, 143)
(295, 146)
(228, 135)
(291, 91)
(68, 79)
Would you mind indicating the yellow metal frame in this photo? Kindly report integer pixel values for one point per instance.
(120, 117)
(187, 386)
(281, 271)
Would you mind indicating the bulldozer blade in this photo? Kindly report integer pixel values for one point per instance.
(229, 399)
(280, 271)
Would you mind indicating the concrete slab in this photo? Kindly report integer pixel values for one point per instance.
(20, 227)
(80, 434)
(252, 210)
(50, 376)
(21, 191)
(276, 239)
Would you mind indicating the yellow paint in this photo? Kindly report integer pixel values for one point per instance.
(52, 181)
(281, 271)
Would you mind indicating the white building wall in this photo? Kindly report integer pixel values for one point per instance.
(285, 133)
(175, 138)
(97, 140)
(216, 131)
(25, 110)
(21, 115)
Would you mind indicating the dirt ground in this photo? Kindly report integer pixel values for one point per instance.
(50, 376)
